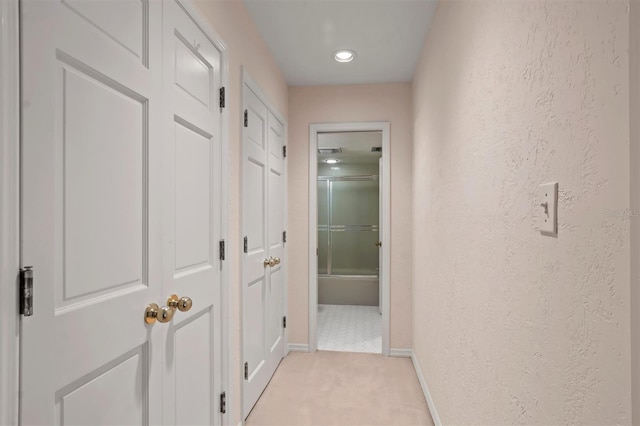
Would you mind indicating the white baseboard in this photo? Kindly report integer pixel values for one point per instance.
(298, 347)
(400, 353)
(425, 390)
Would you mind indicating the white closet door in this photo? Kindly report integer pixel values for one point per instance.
(263, 224)
(192, 221)
(91, 146)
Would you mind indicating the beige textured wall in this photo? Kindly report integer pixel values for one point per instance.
(350, 103)
(247, 48)
(634, 121)
(511, 327)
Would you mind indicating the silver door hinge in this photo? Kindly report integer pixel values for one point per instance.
(246, 244)
(284, 151)
(284, 322)
(221, 249)
(246, 118)
(246, 371)
(223, 402)
(222, 97)
(284, 236)
(26, 291)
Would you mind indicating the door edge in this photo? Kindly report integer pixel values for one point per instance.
(9, 210)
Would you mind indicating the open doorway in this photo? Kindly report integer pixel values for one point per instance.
(349, 208)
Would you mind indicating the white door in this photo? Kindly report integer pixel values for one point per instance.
(263, 225)
(91, 223)
(192, 220)
(121, 187)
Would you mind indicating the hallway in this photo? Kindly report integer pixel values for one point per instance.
(341, 388)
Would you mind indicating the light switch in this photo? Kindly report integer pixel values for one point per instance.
(548, 208)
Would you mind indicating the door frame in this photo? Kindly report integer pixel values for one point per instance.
(314, 129)
(9, 209)
(247, 80)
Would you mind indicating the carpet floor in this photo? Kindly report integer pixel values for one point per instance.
(342, 388)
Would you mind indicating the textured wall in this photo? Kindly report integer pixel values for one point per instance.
(349, 103)
(246, 48)
(511, 327)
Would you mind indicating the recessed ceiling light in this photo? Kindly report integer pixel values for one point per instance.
(331, 161)
(344, 55)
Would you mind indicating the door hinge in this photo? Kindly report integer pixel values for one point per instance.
(246, 371)
(246, 244)
(222, 97)
(284, 322)
(284, 151)
(284, 236)
(246, 118)
(26, 291)
(221, 249)
(223, 402)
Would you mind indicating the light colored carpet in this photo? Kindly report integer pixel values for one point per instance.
(342, 388)
(349, 328)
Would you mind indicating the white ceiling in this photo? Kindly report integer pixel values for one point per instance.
(388, 36)
(355, 146)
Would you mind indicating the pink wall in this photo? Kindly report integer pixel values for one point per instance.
(247, 48)
(511, 327)
(350, 103)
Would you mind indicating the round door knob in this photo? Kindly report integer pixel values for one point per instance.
(378, 243)
(272, 262)
(172, 301)
(277, 259)
(266, 262)
(184, 304)
(165, 314)
(151, 313)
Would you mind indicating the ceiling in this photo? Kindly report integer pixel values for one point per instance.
(387, 35)
(355, 146)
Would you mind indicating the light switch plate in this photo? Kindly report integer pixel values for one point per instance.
(548, 208)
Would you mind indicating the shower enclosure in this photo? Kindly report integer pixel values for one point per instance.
(348, 235)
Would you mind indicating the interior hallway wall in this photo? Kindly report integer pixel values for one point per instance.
(350, 103)
(511, 327)
(246, 47)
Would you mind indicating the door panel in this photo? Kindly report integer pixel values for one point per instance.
(192, 221)
(121, 145)
(263, 223)
(90, 216)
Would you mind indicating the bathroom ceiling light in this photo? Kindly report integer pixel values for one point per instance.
(344, 55)
(331, 161)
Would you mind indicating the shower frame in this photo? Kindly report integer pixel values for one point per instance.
(336, 228)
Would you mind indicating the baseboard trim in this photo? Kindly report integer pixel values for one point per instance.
(425, 390)
(298, 347)
(400, 353)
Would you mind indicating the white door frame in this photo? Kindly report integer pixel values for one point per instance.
(255, 88)
(314, 129)
(9, 209)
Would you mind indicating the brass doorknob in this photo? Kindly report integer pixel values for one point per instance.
(267, 262)
(154, 313)
(183, 304)
(277, 259)
(378, 243)
(272, 262)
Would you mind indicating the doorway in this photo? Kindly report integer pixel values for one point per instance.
(349, 219)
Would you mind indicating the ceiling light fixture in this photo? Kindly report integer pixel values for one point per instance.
(344, 55)
(331, 161)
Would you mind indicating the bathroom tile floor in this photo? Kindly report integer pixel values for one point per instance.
(348, 328)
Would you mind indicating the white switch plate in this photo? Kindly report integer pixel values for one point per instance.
(548, 208)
